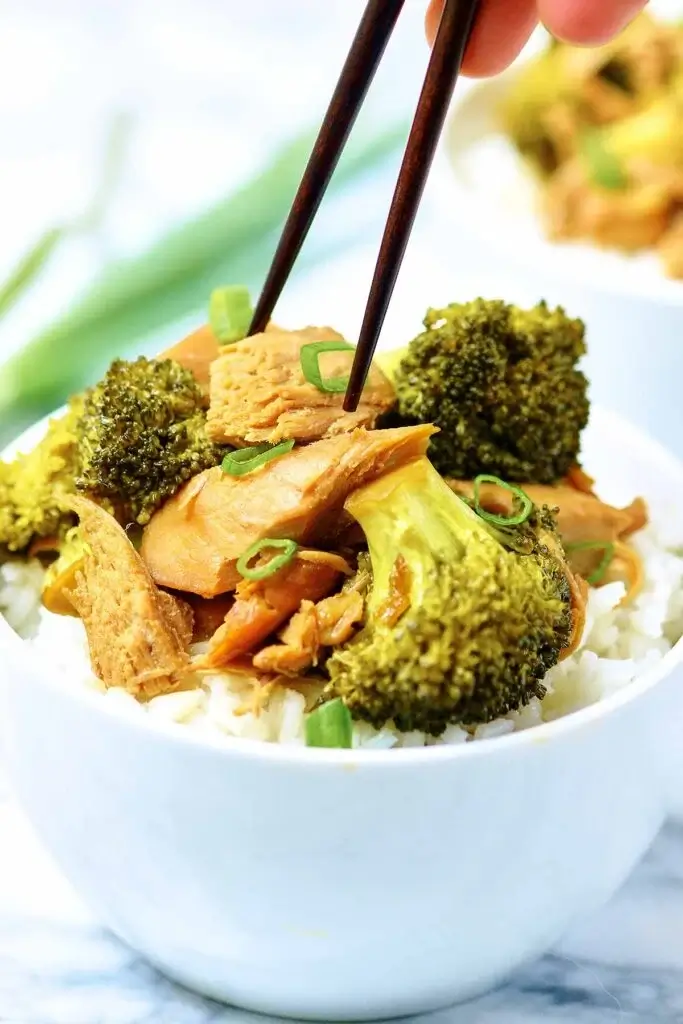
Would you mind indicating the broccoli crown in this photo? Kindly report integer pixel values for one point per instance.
(460, 629)
(142, 435)
(503, 386)
(35, 486)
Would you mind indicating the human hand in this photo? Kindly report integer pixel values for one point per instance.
(503, 26)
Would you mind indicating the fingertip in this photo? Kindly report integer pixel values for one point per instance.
(584, 22)
(432, 18)
(484, 62)
(500, 32)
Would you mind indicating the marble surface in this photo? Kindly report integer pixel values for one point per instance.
(59, 966)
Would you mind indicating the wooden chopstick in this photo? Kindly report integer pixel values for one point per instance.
(442, 73)
(367, 49)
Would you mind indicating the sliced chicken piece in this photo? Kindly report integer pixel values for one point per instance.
(196, 353)
(262, 606)
(193, 542)
(338, 617)
(138, 636)
(198, 350)
(578, 478)
(581, 516)
(582, 519)
(328, 623)
(259, 392)
(299, 647)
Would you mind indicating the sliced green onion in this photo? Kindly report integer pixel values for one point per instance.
(517, 518)
(310, 365)
(604, 168)
(230, 313)
(606, 546)
(329, 725)
(246, 460)
(288, 549)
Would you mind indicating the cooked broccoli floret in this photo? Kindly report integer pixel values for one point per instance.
(142, 435)
(460, 628)
(6, 503)
(34, 486)
(503, 386)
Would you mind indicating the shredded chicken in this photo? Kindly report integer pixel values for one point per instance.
(329, 623)
(331, 558)
(262, 606)
(193, 545)
(259, 392)
(338, 617)
(137, 635)
(398, 598)
(299, 647)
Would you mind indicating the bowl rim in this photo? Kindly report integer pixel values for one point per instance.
(156, 730)
(451, 196)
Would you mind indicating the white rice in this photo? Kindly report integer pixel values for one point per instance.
(619, 644)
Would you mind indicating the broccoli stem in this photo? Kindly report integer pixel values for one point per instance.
(409, 511)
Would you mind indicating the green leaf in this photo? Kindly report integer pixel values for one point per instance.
(34, 261)
(114, 156)
(29, 267)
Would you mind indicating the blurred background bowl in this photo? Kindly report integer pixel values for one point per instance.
(634, 314)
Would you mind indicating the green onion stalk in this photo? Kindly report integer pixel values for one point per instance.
(230, 313)
(134, 298)
(330, 726)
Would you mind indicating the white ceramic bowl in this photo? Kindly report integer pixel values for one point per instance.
(347, 885)
(487, 202)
